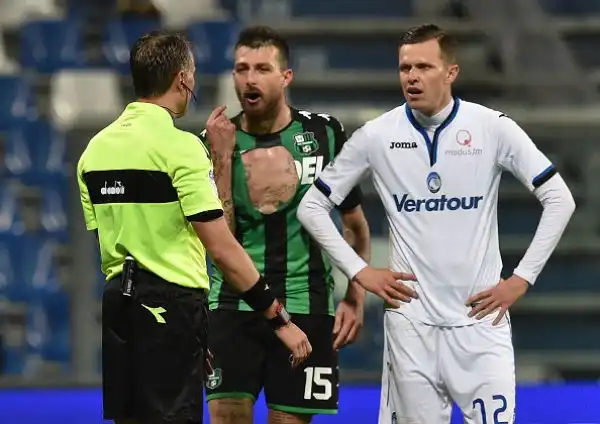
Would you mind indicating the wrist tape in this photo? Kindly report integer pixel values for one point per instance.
(259, 297)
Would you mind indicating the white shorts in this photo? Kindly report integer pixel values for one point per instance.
(426, 368)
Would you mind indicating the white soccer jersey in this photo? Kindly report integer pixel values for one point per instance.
(440, 194)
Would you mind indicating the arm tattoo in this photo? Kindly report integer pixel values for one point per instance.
(222, 166)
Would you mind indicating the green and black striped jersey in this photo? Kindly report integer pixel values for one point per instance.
(292, 263)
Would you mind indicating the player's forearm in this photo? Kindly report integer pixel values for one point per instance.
(558, 204)
(236, 265)
(222, 166)
(357, 234)
(240, 272)
(314, 214)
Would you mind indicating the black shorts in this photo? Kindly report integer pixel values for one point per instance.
(247, 357)
(152, 352)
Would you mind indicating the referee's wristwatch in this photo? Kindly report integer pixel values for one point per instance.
(281, 318)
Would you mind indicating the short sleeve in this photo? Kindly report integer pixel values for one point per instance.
(192, 174)
(518, 154)
(354, 198)
(89, 214)
(346, 170)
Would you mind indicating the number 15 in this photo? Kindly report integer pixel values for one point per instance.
(318, 377)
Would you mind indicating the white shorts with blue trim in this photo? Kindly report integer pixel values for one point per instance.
(426, 368)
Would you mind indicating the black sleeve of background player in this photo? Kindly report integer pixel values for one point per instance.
(204, 141)
(354, 198)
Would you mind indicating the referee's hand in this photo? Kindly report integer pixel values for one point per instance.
(387, 284)
(296, 341)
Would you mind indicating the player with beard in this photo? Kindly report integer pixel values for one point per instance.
(265, 159)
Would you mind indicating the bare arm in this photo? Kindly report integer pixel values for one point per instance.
(357, 234)
(222, 165)
(238, 269)
(227, 254)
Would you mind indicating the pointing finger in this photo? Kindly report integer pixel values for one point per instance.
(216, 113)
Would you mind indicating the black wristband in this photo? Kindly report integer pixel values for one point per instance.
(259, 297)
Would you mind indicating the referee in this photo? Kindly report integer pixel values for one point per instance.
(147, 190)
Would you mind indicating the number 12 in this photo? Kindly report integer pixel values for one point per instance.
(500, 409)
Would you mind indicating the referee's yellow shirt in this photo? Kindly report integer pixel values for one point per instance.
(141, 182)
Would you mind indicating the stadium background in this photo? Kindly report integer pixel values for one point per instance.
(63, 76)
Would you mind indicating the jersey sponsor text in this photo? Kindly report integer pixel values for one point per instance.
(436, 204)
(309, 169)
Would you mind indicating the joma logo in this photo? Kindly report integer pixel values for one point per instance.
(403, 145)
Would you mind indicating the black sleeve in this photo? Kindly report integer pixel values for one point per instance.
(354, 198)
(206, 216)
(204, 141)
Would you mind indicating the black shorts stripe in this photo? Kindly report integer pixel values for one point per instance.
(130, 186)
(544, 176)
(317, 289)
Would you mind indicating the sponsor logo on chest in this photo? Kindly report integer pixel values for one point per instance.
(309, 168)
(463, 145)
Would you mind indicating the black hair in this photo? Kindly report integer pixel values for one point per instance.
(255, 37)
(420, 34)
(155, 59)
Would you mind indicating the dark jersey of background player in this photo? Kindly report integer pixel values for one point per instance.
(264, 162)
(293, 264)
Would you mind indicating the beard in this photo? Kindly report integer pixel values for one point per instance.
(262, 107)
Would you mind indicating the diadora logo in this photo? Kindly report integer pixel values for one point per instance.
(117, 188)
(403, 145)
(436, 204)
(309, 169)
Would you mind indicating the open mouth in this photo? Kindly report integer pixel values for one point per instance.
(252, 97)
(414, 91)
